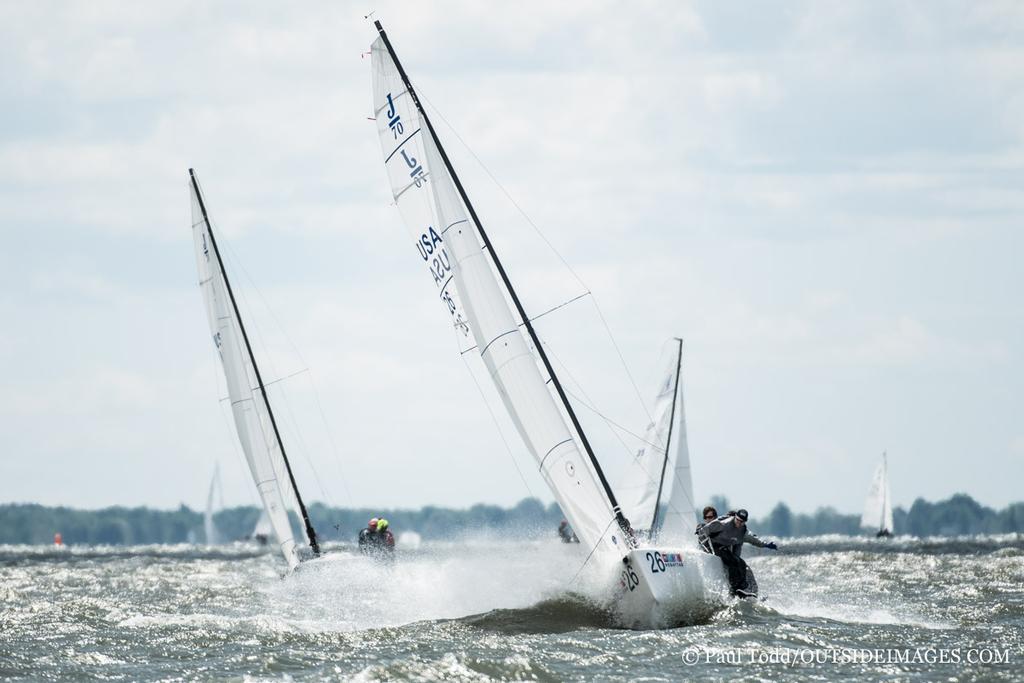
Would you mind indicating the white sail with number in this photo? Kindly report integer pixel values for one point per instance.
(255, 433)
(657, 491)
(468, 287)
(878, 506)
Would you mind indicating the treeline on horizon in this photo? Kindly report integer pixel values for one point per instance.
(34, 524)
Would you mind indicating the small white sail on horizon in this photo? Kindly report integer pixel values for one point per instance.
(209, 527)
(878, 506)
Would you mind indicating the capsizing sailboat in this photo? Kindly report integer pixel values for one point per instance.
(250, 406)
(654, 585)
(878, 506)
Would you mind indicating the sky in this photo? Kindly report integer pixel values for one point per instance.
(822, 198)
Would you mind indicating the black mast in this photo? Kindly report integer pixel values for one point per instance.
(620, 518)
(668, 440)
(310, 532)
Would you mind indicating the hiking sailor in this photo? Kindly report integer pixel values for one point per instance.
(727, 535)
(369, 538)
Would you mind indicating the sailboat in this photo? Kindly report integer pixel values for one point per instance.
(254, 418)
(657, 490)
(878, 506)
(209, 527)
(654, 585)
(262, 532)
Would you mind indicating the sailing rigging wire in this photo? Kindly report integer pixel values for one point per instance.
(238, 267)
(543, 237)
(586, 403)
(586, 399)
(270, 383)
(537, 317)
(497, 425)
(591, 553)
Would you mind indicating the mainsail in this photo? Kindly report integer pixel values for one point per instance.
(657, 492)
(249, 405)
(878, 506)
(447, 238)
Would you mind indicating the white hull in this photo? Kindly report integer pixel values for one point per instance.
(663, 587)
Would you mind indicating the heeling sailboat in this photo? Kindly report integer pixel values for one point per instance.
(254, 417)
(655, 586)
(658, 500)
(878, 506)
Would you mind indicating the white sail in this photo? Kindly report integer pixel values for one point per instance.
(261, 448)
(210, 529)
(649, 475)
(651, 480)
(429, 203)
(263, 527)
(680, 515)
(878, 506)
(403, 138)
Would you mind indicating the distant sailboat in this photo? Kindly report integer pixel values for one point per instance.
(878, 506)
(209, 527)
(262, 532)
(250, 405)
(655, 586)
(657, 491)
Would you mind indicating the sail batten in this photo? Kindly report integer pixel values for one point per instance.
(428, 194)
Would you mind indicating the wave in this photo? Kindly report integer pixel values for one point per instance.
(13, 555)
(560, 614)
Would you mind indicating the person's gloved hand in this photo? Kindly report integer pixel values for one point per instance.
(771, 546)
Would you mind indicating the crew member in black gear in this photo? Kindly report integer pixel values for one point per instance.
(369, 539)
(727, 534)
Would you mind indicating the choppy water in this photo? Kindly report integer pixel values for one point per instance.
(836, 608)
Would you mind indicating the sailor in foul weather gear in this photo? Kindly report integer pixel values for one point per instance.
(727, 534)
(386, 538)
(376, 540)
(368, 537)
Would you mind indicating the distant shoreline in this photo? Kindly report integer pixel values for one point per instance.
(30, 523)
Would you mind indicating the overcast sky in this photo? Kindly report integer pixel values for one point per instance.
(824, 199)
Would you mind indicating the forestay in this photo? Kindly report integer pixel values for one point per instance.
(649, 475)
(261, 448)
(878, 506)
(448, 241)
